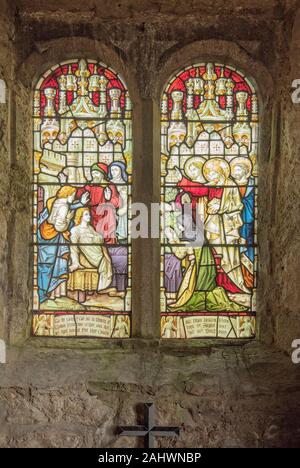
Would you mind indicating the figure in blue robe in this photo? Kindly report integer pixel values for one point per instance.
(53, 241)
(247, 230)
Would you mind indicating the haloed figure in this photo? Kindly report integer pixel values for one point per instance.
(241, 170)
(224, 220)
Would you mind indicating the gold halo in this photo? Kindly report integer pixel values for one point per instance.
(241, 161)
(218, 165)
(194, 160)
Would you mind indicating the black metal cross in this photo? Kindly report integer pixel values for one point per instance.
(149, 431)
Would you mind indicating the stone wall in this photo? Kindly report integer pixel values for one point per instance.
(75, 392)
(285, 297)
(6, 74)
(219, 396)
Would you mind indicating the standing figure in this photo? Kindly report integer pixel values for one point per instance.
(247, 329)
(194, 187)
(117, 175)
(121, 328)
(104, 200)
(241, 169)
(224, 220)
(211, 198)
(169, 329)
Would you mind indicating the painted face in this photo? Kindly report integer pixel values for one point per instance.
(245, 140)
(86, 216)
(115, 136)
(97, 176)
(242, 139)
(176, 139)
(194, 171)
(115, 172)
(49, 136)
(214, 177)
(239, 173)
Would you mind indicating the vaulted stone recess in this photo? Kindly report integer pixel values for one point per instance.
(75, 392)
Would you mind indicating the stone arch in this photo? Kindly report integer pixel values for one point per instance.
(215, 50)
(230, 53)
(28, 71)
(50, 52)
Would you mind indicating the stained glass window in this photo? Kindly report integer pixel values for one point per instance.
(209, 144)
(82, 137)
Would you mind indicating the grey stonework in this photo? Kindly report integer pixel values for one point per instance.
(66, 392)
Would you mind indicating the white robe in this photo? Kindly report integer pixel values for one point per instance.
(60, 215)
(96, 255)
(222, 227)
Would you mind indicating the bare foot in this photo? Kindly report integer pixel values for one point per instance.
(116, 294)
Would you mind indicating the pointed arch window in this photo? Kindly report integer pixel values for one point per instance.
(82, 140)
(209, 146)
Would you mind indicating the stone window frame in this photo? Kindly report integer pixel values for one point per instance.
(146, 160)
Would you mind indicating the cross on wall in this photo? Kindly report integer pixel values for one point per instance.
(149, 430)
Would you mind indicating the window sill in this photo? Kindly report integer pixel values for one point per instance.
(133, 344)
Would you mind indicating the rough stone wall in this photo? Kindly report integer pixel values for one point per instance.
(238, 396)
(285, 299)
(6, 73)
(75, 393)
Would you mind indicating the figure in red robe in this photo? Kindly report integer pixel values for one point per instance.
(198, 190)
(103, 202)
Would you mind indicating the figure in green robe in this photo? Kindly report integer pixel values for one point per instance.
(198, 291)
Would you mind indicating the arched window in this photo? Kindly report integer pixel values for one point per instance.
(209, 144)
(81, 199)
